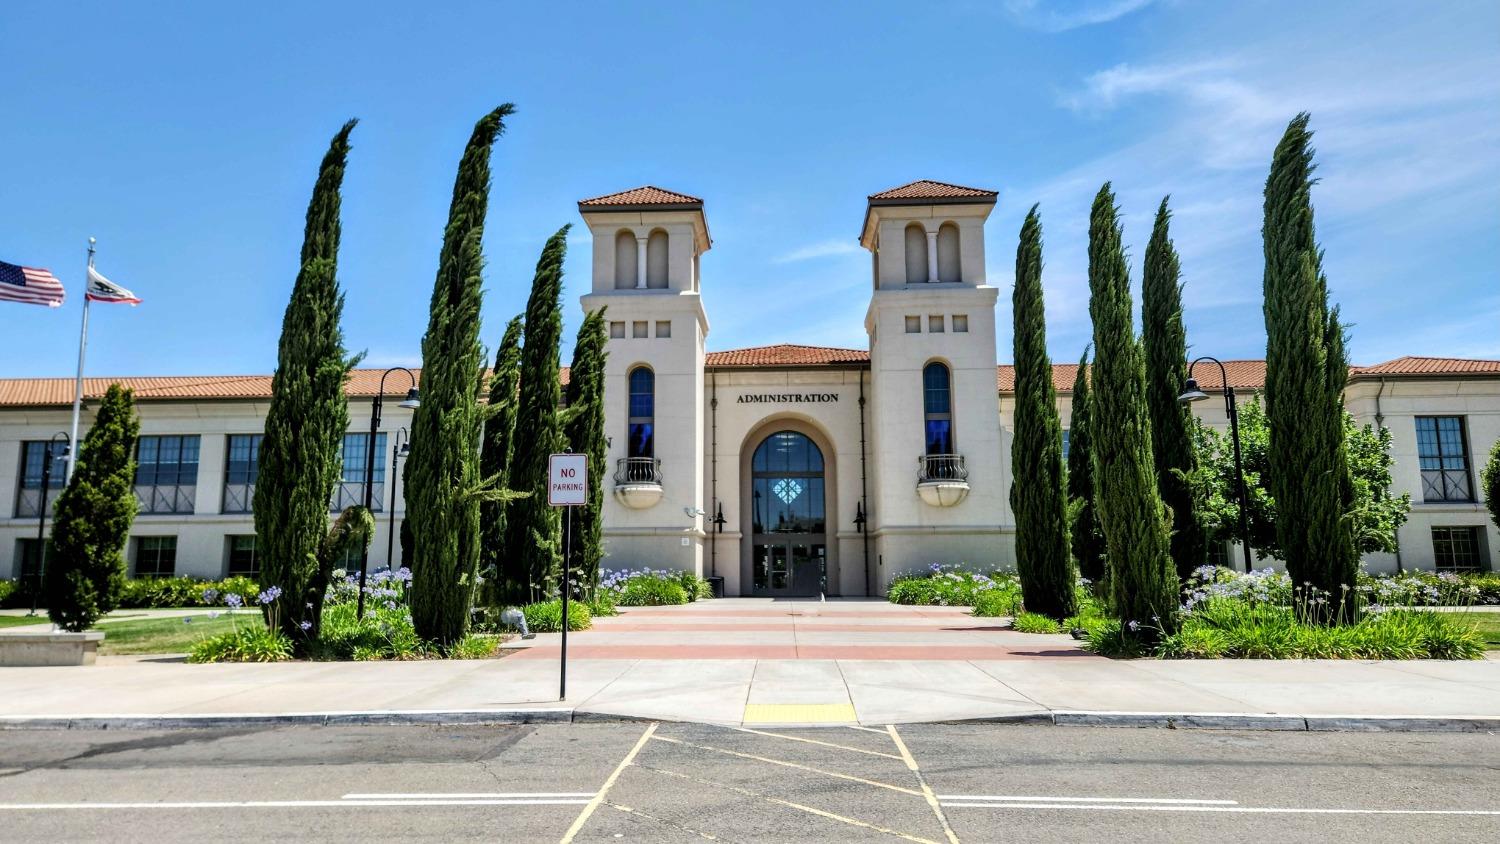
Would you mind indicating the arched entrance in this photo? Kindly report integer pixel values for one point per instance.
(788, 515)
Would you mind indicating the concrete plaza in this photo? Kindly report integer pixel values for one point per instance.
(748, 662)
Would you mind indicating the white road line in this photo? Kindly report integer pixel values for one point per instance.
(1253, 810)
(286, 804)
(994, 798)
(476, 795)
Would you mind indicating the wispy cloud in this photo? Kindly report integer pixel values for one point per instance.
(1063, 15)
(1408, 153)
(821, 249)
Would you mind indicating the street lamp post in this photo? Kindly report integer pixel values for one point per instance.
(401, 449)
(413, 399)
(1192, 393)
(41, 517)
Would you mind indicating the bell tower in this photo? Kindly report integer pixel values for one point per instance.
(647, 244)
(931, 324)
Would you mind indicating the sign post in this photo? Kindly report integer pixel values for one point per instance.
(567, 487)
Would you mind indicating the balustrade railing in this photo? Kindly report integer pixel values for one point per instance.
(638, 470)
(941, 467)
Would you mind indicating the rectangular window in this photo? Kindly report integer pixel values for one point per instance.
(1066, 437)
(155, 556)
(935, 323)
(663, 328)
(166, 473)
(617, 331)
(1442, 453)
(638, 329)
(28, 561)
(351, 489)
(913, 325)
(1458, 548)
(960, 323)
(243, 560)
(1218, 553)
(241, 467)
(33, 457)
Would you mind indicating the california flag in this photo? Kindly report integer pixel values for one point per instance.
(102, 289)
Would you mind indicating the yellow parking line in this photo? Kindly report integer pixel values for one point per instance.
(783, 763)
(932, 800)
(819, 743)
(798, 806)
(608, 784)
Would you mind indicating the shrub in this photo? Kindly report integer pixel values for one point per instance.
(10, 592)
(386, 632)
(475, 646)
(649, 588)
(250, 643)
(997, 602)
(603, 604)
(166, 592)
(1030, 622)
(947, 586)
(546, 616)
(1234, 628)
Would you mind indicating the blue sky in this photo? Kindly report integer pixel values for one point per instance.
(186, 140)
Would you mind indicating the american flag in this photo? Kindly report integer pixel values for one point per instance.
(30, 285)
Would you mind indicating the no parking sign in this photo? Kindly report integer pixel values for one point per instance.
(567, 486)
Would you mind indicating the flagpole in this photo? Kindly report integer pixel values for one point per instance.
(83, 342)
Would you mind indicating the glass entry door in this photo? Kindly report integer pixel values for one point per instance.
(791, 569)
(788, 540)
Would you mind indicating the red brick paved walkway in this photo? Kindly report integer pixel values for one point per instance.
(752, 628)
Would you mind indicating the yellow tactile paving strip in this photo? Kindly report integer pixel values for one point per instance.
(799, 713)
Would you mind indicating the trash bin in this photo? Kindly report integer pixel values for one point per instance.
(717, 585)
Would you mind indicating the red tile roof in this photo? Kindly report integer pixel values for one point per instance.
(644, 195)
(787, 354)
(1410, 365)
(928, 189)
(363, 383)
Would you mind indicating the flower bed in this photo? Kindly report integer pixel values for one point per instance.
(994, 594)
(1259, 616)
(652, 587)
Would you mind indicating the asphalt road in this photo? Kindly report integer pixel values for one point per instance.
(678, 782)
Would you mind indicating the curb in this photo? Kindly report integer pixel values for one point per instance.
(1294, 723)
(394, 718)
(564, 715)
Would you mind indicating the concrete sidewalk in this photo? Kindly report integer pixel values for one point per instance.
(760, 662)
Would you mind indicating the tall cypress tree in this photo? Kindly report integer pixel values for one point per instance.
(1165, 342)
(85, 569)
(1306, 369)
(585, 433)
(444, 489)
(308, 415)
(1036, 491)
(532, 528)
(1088, 538)
(494, 459)
(1142, 580)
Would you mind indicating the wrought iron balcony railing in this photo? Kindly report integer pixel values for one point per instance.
(638, 470)
(937, 468)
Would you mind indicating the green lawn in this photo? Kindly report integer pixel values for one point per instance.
(166, 635)
(19, 620)
(1488, 624)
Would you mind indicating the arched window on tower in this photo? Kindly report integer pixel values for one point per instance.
(642, 413)
(916, 254)
(937, 409)
(656, 260)
(625, 259)
(947, 249)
